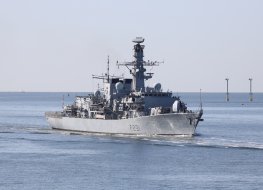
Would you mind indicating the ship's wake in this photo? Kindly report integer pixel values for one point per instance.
(198, 140)
(205, 142)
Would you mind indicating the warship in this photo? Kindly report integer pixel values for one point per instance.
(127, 106)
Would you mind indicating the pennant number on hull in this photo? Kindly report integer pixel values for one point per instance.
(134, 127)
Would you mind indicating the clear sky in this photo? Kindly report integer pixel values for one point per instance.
(56, 45)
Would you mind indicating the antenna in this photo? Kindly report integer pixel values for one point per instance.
(108, 69)
(105, 76)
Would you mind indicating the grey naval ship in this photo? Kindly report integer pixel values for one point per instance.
(127, 106)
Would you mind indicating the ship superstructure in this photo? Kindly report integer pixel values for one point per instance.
(126, 106)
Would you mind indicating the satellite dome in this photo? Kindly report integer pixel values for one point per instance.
(119, 86)
(97, 93)
(157, 87)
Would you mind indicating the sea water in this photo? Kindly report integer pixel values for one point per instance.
(225, 153)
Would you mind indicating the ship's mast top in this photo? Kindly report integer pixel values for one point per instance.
(138, 70)
(138, 40)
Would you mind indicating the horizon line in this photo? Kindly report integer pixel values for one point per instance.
(23, 91)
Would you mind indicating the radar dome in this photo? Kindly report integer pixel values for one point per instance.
(157, 87)
(119, 86)
(176, 106)
(97, 93)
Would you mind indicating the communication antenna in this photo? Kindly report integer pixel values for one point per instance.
(105, 76)
(227, 93)
(250, 90)
(108, 69)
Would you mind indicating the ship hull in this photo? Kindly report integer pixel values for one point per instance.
(164, 124)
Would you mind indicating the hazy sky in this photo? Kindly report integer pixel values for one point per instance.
(56, 45)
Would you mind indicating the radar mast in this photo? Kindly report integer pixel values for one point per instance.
(138, 70)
